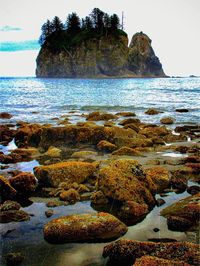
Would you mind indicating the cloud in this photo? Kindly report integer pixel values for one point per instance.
(19, 46)
(10, 28)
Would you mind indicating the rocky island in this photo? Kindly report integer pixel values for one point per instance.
(97, 47)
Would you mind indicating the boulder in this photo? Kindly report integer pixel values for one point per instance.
(152, 111)
(185, 212)
(28, 135)
(6, 134)
(106, 146)
(154, 261)
(53, 152)
(129, 121)
(180, 224)
(13, 216)
(5, 115)
(98, 198)
(167, 120)
(6, 190)
(84, 227)
(25, 183)
(125, 114)
(9, 205)
(156, 131)
(124, 180)
(70, 195)
(72, 171)
(160, 177)
(125, 252)
(97, 116)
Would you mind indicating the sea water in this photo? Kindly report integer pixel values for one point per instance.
(40, 100)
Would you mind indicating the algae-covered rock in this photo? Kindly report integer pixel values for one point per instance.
(97, 116)
(126, 151)
(106, 146)
(84, 227)
(154, 261)
(160, 177)
(152, 111)
(183, 214)
(9, 205)
(6, 190)
(167, 120)
(25, 183)
(125, 252)
(70, 195)
(124, 180)
(70, 172)
(13, 216)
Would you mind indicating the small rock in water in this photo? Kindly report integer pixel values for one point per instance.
(193, 190)
(49, 213)
(152, 111)
(13, 216)
(167, 120)
(10, 205)
(182, 110)
(160, 202)
(70, 195)
(5, 115)
(14, 258)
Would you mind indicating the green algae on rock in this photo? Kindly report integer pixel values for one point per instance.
(84, 227)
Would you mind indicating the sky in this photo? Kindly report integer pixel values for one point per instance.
(172, 25)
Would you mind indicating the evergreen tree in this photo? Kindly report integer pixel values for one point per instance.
(73, 23)
(114, 21)
(97, 19)
(107, 21)
(88, 23)
(46, 31)
(57, 24)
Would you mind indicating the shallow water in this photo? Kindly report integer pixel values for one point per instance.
(33, 99)
(40, 100)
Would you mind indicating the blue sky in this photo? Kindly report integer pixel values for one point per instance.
(173, 26)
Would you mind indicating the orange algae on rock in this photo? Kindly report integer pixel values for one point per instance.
(71, 171)
(84, 227)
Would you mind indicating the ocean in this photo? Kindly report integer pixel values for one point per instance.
(40, 100)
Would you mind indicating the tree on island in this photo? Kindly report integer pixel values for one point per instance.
(73, 24)
(75, 30)
(46, 32)
(57, 24)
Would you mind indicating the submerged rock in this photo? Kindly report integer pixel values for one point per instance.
(6, 134)
(13, 216)
(125, 252)
(14, 258)
(84, 227)
(72, 171)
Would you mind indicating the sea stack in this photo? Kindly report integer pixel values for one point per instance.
(104, 56)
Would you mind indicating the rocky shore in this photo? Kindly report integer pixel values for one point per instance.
(123, 167)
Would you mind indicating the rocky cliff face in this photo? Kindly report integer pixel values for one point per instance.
(107, 56)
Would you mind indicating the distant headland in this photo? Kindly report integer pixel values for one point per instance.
(94, 47)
